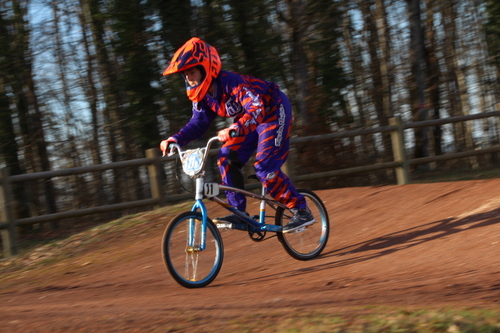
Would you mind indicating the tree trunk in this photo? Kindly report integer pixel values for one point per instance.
(377, 75)
(419, 108)
(367, 147)
(297, 24)
(91, 94)
(434, 74)
(29, 112)
(456, 81)
(115, 135)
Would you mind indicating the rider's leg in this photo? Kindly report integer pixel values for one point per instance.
(272, 152)
(233, 155)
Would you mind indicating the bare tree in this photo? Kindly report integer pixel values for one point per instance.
(115, 135)
(297, 28)
(378, 70)
(28, 108)
(419, 88)
(433, 74)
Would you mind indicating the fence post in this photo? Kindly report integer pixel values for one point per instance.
(9, 232)
(398, 150)
(154, 172)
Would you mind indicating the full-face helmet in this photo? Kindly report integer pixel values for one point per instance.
(196, 52)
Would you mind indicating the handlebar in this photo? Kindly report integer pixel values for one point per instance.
(194, 160)
(172, 145)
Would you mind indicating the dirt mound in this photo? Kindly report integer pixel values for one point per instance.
(421, 245)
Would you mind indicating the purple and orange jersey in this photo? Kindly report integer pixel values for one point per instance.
(263, 115)
(247, 99)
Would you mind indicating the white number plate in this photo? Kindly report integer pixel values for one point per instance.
(211, 190)
(192, 161)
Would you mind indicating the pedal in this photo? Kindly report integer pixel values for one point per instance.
(224, 225)
(299, 230)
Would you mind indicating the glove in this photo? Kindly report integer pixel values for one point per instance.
(225, 134)
(164, 145)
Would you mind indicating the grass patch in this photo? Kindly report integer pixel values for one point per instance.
(49, 250)
(375, 320)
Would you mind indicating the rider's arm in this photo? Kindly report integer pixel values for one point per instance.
(197, 125)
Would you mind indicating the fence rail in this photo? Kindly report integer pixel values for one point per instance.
(401, 164)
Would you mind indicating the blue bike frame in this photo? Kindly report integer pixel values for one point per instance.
(259, 225)
(195, 170)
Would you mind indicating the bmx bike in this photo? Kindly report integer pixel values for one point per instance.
(192, 247)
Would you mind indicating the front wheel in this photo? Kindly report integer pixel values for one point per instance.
(192, 262)
(309, 243)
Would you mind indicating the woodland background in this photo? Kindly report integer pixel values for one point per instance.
(81, 83)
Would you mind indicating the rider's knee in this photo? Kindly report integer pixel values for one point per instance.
(267, 176)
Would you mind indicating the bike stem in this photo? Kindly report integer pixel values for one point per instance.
(199, 187)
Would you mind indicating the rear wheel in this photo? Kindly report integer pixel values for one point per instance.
(192, 264)
(310, 241)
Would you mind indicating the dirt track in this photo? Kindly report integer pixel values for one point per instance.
(428, 245)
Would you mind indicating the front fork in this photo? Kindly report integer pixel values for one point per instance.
(198, 205)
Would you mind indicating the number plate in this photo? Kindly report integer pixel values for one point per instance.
(192, 162)
(211, 190)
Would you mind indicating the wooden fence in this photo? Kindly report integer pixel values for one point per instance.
(401, 164)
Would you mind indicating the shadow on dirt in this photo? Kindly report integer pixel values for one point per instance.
(401, 240)
(394, 242)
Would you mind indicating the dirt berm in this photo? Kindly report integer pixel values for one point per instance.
(413, 246)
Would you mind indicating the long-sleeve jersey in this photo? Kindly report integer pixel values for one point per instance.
(247, 99)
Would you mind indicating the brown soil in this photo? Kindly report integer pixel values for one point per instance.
(422, 245)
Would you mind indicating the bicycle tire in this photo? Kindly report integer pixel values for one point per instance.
(187, 264)
(310, 242)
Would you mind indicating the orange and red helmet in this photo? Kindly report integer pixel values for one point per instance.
(196, 52)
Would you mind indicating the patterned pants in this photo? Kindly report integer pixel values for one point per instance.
(272, 142)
